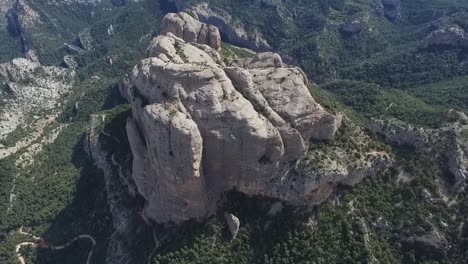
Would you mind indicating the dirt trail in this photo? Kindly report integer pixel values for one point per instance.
(39, 242)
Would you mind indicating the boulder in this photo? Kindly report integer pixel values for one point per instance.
(233, 224)
(69, 62)
(266, 60)
(85, 40)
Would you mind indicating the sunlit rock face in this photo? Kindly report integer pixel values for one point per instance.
(184, 26)
(201, 128)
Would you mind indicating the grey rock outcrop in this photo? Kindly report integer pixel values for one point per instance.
(234, 31)
(400, 133)
(85, 40)
(457, 117)
(21, 18)
(430, 244)
(29, 88)
(448, 144)
(188, 28)
(447, 36)
(233, 224)
(200, 128)
(69, 62)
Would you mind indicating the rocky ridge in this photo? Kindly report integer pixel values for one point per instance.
(234, 31)
(447, 144)
(201, 128)
(184, 26)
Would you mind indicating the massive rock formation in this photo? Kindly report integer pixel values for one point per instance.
(447, 144)
(200, 128)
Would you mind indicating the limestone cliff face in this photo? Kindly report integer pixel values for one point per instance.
(124, 213)
(200, 128)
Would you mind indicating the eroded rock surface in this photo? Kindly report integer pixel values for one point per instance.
(184, 26)
(447, 144)
(21, 18)
(27, 89)
(233, 30)
(201, 128)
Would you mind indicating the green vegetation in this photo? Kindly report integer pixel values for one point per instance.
(10, 46)
(62, 191)
(229, 52)
(409, 70)
(451, 93)
(61, 195)
(371, 100)
(7, 173)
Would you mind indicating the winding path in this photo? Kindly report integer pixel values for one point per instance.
(39, 242)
